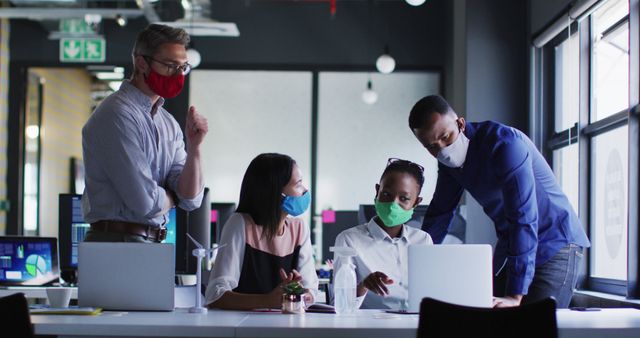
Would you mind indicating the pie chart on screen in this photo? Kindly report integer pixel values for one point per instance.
(36, 265)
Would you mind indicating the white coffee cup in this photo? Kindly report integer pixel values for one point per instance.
(59, 297)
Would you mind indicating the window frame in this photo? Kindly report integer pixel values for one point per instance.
(583, 133)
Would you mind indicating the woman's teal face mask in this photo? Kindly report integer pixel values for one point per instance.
(391, 213)
(296, 205)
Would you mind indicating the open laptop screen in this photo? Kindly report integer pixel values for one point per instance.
(28, 260)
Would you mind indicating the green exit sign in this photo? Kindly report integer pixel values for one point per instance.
(82, 50)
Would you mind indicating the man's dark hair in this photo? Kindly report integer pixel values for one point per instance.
(408, 167)
(261, 190)
(423, 109)
(153, 36)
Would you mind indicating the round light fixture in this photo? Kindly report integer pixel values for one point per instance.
(194, 57)
(121, 20)
(32, 132)
(385, 62)
(415, 2)
(369, 96)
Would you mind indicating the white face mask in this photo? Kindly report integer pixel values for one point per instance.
(453, 155)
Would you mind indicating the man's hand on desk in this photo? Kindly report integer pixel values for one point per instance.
(376, 282)
(507, 301)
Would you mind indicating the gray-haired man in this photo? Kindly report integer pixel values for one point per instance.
(135, 160)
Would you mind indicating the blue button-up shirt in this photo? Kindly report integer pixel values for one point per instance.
(133, 150)
(517, 189)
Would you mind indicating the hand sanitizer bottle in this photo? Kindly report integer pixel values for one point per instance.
(344, 284)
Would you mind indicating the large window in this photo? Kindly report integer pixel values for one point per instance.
(565, 165)
(588, 138)
(566, 107)
(609, 204)
(320, 119)
(567, 82)
(354, 139)
(251, 112)
(610, 59)
(609, 146)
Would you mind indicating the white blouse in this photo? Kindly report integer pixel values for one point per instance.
(377, 251)
(240, 230)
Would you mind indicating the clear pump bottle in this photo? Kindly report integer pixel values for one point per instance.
(344, 284)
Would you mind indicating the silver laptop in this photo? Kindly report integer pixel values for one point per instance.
(458, 274)
(126, 276)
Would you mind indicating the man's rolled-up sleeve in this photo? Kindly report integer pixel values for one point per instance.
(179, 159)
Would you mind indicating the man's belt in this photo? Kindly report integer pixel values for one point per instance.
(150, 232)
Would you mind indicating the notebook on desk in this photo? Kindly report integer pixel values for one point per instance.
(126, 276)
(71, 310)
(458, 274)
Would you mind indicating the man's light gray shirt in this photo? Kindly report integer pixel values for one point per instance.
(132, 152)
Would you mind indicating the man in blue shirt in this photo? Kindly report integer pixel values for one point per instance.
(136, 166)
(540, 239)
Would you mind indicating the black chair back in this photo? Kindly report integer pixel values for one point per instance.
(14, 316)
(441, 319)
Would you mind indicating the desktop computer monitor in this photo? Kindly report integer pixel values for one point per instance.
(196, 223)
(342, 220)
(220, 213)
(72, 228)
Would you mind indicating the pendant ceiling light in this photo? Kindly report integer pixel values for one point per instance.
(194, 57)
(369, 96)
(385, 63)
(415, 2)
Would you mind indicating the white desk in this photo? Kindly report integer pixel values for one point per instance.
(179, 323)
(619, 323)
(32, 291)
(365, 324)
(184, 296)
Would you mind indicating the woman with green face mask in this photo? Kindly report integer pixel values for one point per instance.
(382, 243)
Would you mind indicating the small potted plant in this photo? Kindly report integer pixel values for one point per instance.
(292, 298)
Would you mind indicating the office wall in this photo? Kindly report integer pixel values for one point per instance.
(4, 104)
(490, 60)
(66, 107)
(456, 67)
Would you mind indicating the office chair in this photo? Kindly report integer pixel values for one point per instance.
(441, 319)
(14, 316)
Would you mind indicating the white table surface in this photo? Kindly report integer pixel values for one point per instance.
(178, 323)
(619, 323)
(32, 291)
(184, 296)
(365, 324)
